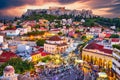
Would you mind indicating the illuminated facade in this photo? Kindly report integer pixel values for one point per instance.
(55, 45)
(96, 54)
(38, 56)
(116, 63)
(35, 57)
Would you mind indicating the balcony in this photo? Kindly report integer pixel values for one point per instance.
(116, 62)
(116, 55)
(116, 69)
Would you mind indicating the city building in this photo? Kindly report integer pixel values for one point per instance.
(3, 27)
(89, 35)
(43, 22)
(38, 55)
(24, 51)
(5, 56)
(13, 32)
(55, 31)
(116, 63)
(1, 38)
(95, 30)
(55, 45)
(4, 45)
(98, 55)
(24, 30)
(43, 29)
(9, 73)
(115, 41)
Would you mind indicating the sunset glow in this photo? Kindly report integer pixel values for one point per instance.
(97, 7)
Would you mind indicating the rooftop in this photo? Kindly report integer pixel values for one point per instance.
(98, 47)
(107, 35)
(54, 38)
(115, 40)
(41, 53)
(9, 69)
(5, 56)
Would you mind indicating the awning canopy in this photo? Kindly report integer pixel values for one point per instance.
(102, 74)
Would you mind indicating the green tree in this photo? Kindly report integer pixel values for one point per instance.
(83, 37)
(9, 27)
(60, 33)
(116, 46)
(19, 65)
(82, 46)
(40, 42)
(114, 36)
(37, 26)
(46, 59)
(102, 29)
(35, 33)
(89, 22)
(77, 31)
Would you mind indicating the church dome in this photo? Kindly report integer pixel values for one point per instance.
(9, 69)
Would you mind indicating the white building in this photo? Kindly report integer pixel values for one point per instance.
(12, 32)
(115, 41)
(55, 31)
(24, 51)
(69, 21)
(95, 30)
(24, 30)
(23, 48)
(5, 46)
(1, 39)
(116, 63)
(82, 20)
(55, 45)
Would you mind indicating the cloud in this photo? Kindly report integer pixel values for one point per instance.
(4, 4)
(67, 1)
(110, 7)
(115, 8)
(107, 7)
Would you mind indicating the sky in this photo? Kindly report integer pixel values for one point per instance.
(106, 8)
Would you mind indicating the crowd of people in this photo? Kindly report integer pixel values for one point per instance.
(62, 73)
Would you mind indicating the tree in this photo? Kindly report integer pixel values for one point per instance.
(89, 22)
(102, 29)
(35, 33)
(118, 29)
(67, 26)
(77, 31)
(37, 26)
(46, 59)
(40, 42)
(116, 46)
(83, 37)
(19, 65)
(82, 46)
(9, 27)
(114, 36)
(60, 33)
